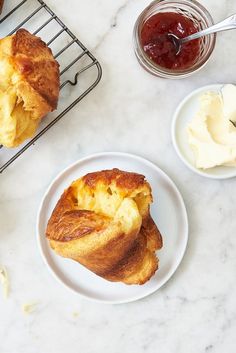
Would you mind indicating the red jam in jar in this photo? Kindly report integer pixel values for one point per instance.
(160, 48)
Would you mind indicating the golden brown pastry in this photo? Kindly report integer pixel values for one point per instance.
(103, 221)
(29, 86)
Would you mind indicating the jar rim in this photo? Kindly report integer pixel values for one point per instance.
(150, 65)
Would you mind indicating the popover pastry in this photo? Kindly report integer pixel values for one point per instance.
(29, 86)
(103, 222)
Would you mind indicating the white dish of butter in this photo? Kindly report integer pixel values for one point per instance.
(202, 133)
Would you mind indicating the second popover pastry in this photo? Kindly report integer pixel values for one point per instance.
(29, 86)
(103, 222)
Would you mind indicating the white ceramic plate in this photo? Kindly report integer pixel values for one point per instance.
(183, 115)
(168, 211)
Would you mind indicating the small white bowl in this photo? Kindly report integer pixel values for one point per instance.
(182, 116)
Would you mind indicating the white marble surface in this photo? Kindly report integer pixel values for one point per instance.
(129, 111)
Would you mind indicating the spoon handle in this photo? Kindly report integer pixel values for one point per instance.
(228, 23)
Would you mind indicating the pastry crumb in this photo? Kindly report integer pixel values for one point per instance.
(5, 281)
(75, 314)
(29, 308)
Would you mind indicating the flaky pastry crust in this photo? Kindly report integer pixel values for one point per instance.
(29, 86)
(103, 221)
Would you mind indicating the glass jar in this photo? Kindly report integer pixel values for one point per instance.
(191, 9)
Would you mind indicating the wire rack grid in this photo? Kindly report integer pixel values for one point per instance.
(80, 71)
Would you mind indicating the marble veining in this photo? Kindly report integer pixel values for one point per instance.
(129, 111)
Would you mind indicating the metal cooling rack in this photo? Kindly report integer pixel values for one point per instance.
(80, 71)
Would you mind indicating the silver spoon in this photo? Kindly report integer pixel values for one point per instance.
(228, 23)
